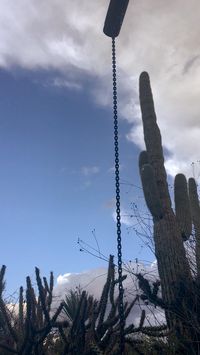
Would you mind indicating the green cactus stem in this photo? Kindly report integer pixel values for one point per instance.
(195, 211)
(143, 159)
(152, 138)
(173, 265)
(182, 206)
(151, 193)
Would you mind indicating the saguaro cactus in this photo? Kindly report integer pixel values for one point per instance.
(195, 212)
(182, 206)
(169, 229)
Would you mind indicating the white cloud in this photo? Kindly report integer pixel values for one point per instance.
(56, 34)
(93, 281)
(62, 83)
(90, 170)
(63, 278)
(126, 218)
(157, 36)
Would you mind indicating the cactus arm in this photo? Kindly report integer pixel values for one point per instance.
(153, 139)
(195, 211)
(182, 206)
(151, 193)
(143, 159)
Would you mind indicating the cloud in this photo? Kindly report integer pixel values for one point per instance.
(126, 217)
(63, 83)
(93, 281)
(57, 34)
(90, 170)
(157, 36)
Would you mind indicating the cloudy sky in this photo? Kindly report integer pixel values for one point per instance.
(56, 149)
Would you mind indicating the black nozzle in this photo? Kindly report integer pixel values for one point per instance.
(114, 17)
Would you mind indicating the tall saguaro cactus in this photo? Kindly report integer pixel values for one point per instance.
(195, 212)
(170, 229)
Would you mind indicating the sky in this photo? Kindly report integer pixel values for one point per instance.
(56, 134)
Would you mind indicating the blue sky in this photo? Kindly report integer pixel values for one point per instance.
(56, 134)
(57, 181)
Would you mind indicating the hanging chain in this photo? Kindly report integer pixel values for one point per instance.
(117, 186)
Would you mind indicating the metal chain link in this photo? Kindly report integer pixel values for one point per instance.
(117, 187)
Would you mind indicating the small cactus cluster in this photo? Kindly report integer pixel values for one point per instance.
(171, 227)
(25, 332)
(80, 325)
(98, 321)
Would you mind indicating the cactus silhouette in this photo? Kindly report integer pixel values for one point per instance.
(91, 327)
(182, 206)
(195, 213)
(26, 333)
(179, 290)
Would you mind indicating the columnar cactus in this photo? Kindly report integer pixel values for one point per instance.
(169, 229)
(92, 326)
(27, 333)
(195, 212)
(182, 206)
